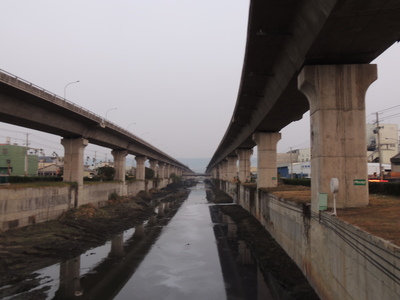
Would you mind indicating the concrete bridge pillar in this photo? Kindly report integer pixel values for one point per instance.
(153, 166)
(244, 164)
(119, 164)
(73, 159)
(161, 170)
(173, 170)
(214, 172)
(231, 169)
(167, 170)
(336, 94)
(140, 167)
(224, 169)
(267, 173)
(219, 171)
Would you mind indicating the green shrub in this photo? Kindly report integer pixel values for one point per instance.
(25, 179)
(175, 178)
(303, 182)
(106, 173)
(385, 188)
(148, 173)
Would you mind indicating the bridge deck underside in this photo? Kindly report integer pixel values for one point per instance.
(282, 37)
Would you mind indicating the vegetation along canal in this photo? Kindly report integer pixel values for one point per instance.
(199, 252)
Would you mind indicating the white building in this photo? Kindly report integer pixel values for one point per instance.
(388, 141)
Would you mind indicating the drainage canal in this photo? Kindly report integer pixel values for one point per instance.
(196, 255)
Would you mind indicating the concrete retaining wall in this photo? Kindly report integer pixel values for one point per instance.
(21, 207)
(340, 260)
(25, 206)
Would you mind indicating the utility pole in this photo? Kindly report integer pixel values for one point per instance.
(377, 129)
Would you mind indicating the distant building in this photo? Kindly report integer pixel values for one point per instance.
(51, 170)
(388, 141)
(16, 161)
(304, 154)
(395, 161)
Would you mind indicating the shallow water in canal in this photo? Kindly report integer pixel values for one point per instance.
(183, 263)
(179, 260)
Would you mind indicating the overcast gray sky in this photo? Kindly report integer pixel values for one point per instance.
(170, 68)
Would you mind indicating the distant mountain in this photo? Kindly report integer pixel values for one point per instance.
(197, 165)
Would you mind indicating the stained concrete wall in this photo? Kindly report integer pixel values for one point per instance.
(22, 207)
(340, 260)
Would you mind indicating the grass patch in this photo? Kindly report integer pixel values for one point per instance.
(38, 184)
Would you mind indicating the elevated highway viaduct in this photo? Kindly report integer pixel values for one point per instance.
(313, 55)
(308, 55)
(26, 105)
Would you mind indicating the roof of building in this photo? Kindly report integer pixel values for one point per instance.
(395, 159)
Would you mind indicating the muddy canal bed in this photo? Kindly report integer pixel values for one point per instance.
(26, 250)
(167, 245)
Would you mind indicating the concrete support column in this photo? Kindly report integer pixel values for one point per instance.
(119, 164)
(167, 170)
(224, 169)
(218, 171)
(267, 173)
(244, 164)
(336, 94)
(231, 169)
(161, 170)
(172, 170)
(153, 166)
(140, 167)
(73, 159)
(215, 173)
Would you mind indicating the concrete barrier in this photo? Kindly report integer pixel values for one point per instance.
(26, 206)
(21, 207)
(340, 260)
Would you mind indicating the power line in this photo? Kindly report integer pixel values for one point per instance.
(390, 108)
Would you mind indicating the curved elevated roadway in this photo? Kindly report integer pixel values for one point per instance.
(284, 36)
(26, 105)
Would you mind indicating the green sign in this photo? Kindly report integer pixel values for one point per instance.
(360, 182)
(273, 178)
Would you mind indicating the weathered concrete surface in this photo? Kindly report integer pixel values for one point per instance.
(21, 207)
(267, 174)
(341, 261)
(336, 94)
(25, 206)
(283, 37)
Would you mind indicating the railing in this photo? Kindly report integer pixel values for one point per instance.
(44, 94)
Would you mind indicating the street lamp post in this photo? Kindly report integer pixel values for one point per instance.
(127, 128)
(103, 121)
(109, 110)
(65, 88)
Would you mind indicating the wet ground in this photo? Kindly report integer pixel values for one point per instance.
(199, 251)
